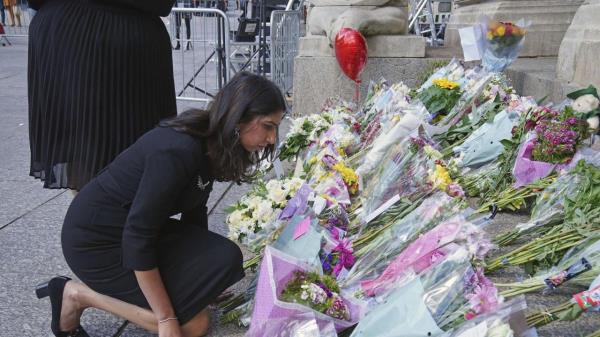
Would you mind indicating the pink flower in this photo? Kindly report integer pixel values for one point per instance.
(455, 190)
(484, 299)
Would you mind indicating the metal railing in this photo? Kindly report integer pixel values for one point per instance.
(200, 37)
(285, 34)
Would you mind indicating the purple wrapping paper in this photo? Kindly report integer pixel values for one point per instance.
(276, 271)
(527, 170)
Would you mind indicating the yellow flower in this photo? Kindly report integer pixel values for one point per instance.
(312, 160)
(501, 30)
(440, 177)
(489, 35)
(445, 83)
(348, 175)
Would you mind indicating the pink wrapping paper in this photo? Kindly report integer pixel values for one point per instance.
(527, 170)
(276, 271)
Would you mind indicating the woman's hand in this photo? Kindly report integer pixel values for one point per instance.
(169, 329)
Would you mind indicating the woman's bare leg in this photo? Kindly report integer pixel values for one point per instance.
(77, 297)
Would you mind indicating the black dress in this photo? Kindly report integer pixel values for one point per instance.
(100, 75)
(120, 222)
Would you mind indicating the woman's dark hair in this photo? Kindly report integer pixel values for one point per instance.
(245, 97)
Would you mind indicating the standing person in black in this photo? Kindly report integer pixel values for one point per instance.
(187, 18)
(100, 74)
(118, 236)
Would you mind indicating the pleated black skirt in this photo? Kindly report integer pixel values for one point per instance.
(99, 77)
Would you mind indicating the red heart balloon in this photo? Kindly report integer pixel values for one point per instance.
(351, 52)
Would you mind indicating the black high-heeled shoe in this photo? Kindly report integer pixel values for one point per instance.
(54, 289)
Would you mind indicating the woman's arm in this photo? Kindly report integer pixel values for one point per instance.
(154, 290)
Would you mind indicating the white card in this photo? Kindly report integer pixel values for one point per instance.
(382, 208)
(470, 39)
(319, 204)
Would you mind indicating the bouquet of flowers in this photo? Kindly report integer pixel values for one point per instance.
(581, 265)
(503, 41)
(440, 97)
(504, 322)
(286, 287)
(375, 255)
(429, 249)
(257, 210)
(405, 171)
(441, 298)
(320, 293)
(585, 301)
(557, 136)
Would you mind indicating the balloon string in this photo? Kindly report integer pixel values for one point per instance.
(357, 94)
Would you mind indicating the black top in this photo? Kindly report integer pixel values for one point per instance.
(163, 174)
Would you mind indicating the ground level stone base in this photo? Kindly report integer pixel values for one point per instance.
(318, 78)
(537, 77)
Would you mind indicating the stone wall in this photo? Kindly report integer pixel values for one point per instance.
(318, 78)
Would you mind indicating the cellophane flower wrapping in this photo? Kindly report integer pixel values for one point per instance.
(385, 247)
(276, 270)
(550, 204)
(301, 325)
(502, 43)
(506, 321)
(404, 171)
(430, 249)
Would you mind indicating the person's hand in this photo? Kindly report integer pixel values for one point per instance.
(169, 329)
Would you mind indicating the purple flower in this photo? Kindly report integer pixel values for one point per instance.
(530, 125)
(325, 289)
(572, 121)
(484, 299)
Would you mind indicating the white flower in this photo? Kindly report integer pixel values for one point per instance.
(254, 202)
(273, 184)
(278, 195)
(263, 212)
(247, 226)
(585, 103)
(292, 185)
(235, 218)
(593, 122)
(297, 127)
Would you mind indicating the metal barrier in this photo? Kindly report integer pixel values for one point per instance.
(285, 34)
(200, 37)
(15, 18)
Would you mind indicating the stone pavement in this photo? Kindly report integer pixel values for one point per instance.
(31, 218)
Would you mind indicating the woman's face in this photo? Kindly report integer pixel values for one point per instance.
(260, 132)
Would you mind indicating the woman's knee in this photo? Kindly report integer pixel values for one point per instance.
(197, 326)
(232, 256)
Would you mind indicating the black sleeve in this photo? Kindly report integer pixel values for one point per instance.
(165, 175)
(36, 4)
(197, 216)
(157, 7)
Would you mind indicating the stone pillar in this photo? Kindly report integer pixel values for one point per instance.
(391, 53)
(578, 56)
(550, 19)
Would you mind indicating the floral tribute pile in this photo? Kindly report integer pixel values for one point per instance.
(386, 203)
